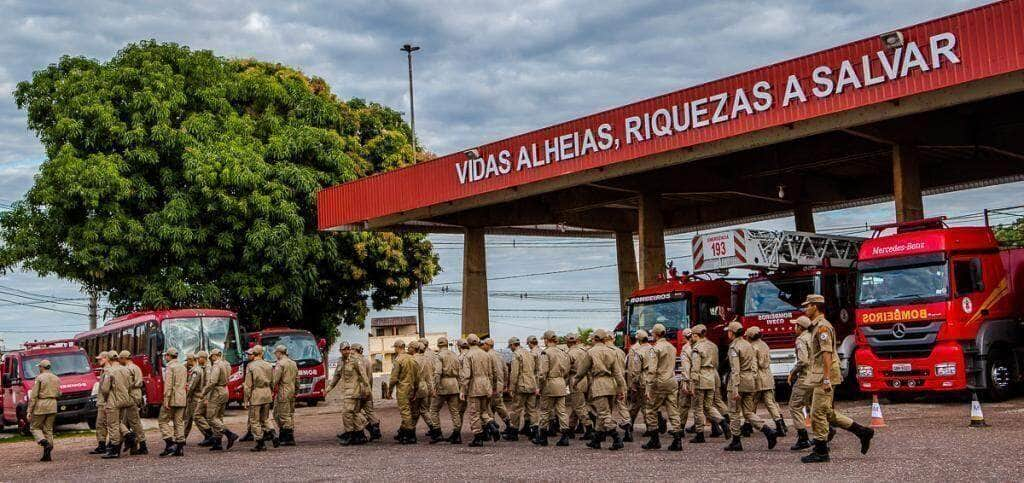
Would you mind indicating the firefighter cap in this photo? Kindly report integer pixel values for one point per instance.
(813, 299)
(802, 321)
(513, 340)
(171, 352)
(752, 331)
(473, 339)
(687, 332)
(699, 329)
(424, 341)
(399, 343)
(658, 329)
(550, 335)
(572, 337)
(216, 352)
(531, 339)
(124, 355)
(202, 354)
(734, 326)
(190, 356)
(281, 349)
(357, 347)
(442, 342)
(600, 334)
(641, 334)
(45, 363)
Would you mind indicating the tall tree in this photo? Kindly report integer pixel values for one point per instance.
(1011, 235)
(178, 178)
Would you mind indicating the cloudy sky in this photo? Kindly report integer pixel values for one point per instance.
(488, 69)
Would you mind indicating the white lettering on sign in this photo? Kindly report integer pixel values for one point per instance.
(719, 245)
(650, 298)
(903, 247)
(821, 82)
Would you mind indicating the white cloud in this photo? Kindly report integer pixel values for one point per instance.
(256, 22)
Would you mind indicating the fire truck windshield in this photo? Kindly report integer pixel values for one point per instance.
(301, 347)
(673, 314)
(60, 364)
(192, 334)
(914, 283)
(773, 296)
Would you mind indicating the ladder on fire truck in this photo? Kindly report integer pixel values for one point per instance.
(768, 250)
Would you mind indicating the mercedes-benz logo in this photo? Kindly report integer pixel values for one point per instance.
(899, 330)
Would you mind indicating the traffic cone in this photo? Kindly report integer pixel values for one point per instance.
(977, 418)
(807, 418)
(877, 421)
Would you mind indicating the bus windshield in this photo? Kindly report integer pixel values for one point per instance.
(774, 296)
(673, 314)
(60, 364)
(301, 347)
(192, 334)
(903, 284)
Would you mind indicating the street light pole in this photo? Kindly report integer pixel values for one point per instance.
(409, 49)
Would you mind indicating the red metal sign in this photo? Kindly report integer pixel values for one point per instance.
(968, 46)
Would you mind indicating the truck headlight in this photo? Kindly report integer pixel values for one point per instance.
(865, 371)
(945, 369)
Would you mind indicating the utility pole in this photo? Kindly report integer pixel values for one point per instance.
(93, 306)
(419, 309)
(409, 49)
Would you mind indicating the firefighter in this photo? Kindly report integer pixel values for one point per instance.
(368, 414)
(824, 376)
(284, 384)
(635, 361)
(478, 382)
(534, 347)
(405, 382)
(686, 390)
(522, 383)
(704, 381)
(117, 394)
(607, 384)
(743, 387)
(579, 379)
(661, 391)
(195, 413)
(498, 409)
(42, 407)
(424, 388)
(765, 379)
(135, 440)
(552, 370)
(447, 391)
(800, 394)
(215, 397)
(257, 396)
(102, 359)
(172, 407)
(349, 373)
(433, 422)
(621, 411)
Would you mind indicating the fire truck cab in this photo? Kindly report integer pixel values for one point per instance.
(939, 309)
(682, 301)
(305, 350)
(70, 363)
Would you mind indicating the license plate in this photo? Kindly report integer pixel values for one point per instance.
(901, 368)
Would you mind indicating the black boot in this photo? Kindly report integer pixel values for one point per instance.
(494, 431)
(130, 442)
(168, 448)
(526, 427)
(142, 448)
(410, 436)
(677, 441)
(344, 438)
(588, 433)
(435, 435)
(627, 433)
(261, 445)
(456, 437)
(802, 442)
(564, 440)
(553, 426)
(747, 429)
(216, 444)
(273, 438)
(358, 438)
(578, 429)
(654, 442)
(662, 424)
(247, 437)
(698, 438)
(101, 448)
(289, 438)
(512, 434)
(770, 435)
(179, 449)
(692, 429)
(831, 434)
(541, 437)
(724, 425)
(716, 430)
(726, 421)
(113, 451)
(207, 439)
(596, 439)
(478, 439)
(232, 437)
(374, 430)
(616, 440)
(819, 455)
(780, 427)
(47, 450)
(735, 444)
(864, 435)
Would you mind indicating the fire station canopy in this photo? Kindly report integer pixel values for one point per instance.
(820, 131)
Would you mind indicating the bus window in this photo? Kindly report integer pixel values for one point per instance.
(222, 333)
(184, 334)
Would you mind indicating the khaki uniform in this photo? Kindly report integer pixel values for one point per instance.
(684, 400)
(405, 381)
(42, 405)
(478, 381)
(354, 387)
(743, 382)
(368, 415)
(662, 389)
(822, 412)
(522, 383)
(131, 416)
(800, 394)
(424, 389)
(216, 394)
(259, 374)
(172, 409)
(536, 352)
(447, 390)
(636, 364)
(434, 362)
(621, 412)
(101, 403)
(705, 380)
(552, 370)
(579, 384)
(284, 383)
(498, 408)
(607, 380)
(116, 390)
(195, 410)
(765, 379)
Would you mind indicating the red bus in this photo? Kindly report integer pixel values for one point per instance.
(147, 334)
(305, 350)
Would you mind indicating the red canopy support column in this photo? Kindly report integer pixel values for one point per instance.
(474, 284)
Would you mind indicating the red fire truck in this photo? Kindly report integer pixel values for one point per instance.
(680, 302)
(77, 382)
(305, 350)
(786, 266)
(939, 309)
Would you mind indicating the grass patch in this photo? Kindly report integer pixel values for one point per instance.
(61, 435)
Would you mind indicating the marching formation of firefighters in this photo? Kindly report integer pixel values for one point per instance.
(585, 387)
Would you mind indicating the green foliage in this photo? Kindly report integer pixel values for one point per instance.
(584, 333)
(178, 178)
(1011, 235)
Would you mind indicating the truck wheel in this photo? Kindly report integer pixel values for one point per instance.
(1000, 374)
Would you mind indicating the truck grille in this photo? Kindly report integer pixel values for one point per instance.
(902, 340)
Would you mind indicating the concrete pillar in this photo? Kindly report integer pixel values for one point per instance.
(906, 183)
(803, 214)
(652, 240)
(625, 258)
(474, 284)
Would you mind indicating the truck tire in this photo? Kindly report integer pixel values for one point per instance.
(1000, 374)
